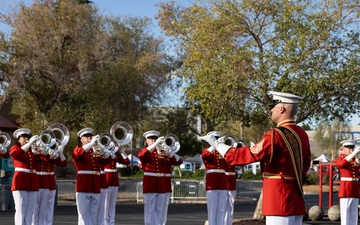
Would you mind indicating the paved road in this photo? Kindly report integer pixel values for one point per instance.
(179, 214)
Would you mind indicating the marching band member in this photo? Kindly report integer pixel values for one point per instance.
(113, 183)
(349, 182)
(157, 178)
(88, 177)
(103, 189)
(284, 155)
(230, 173)
(25, 184)
(216, 185)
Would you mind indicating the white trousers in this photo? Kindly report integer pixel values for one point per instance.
(284, 220)
(156, 208)
(349, 211)
(50, 207)
(24, 206)
(216, 206)
(87, 207)
(101, 215)
(110, 205)
(40, 207)
(229, 214)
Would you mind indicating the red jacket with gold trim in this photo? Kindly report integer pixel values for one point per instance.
(215, 166)
(111, 170)
(25, 180)
(88, 170)
(281, 193)
(157, 171)
(230, 173)
(349, 188)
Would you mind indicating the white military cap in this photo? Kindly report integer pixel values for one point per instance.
(151, 133)
(348, 143)
(21, 131)
(84, 131)
(284, 98)
(215, 133)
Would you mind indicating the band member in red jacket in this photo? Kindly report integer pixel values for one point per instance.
(157, 167)
(87, 164)
(113, 182)
(44, 209)
(216, 185)
(348, 165)
(284, 155)
(230, 173)
(25, 184)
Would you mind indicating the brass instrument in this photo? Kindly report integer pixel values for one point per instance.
(122, 132)
(229, 140)
(5, 140)
(171, 144)
(42, 145)
(62, 136)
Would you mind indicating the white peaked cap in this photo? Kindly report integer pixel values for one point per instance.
(151, 133)
(285, 97)
(84, 131)
(348, 143)
(215, 133)
(20, 132)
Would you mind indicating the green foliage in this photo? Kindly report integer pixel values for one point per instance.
(67, 63)
(235, 52)
(312, 178)
(249, 175)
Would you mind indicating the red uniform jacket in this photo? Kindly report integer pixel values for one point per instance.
(50, 170)
(103, 180)
(349, 188)
(281, 194)
(111, 170)
(215, 166)
(230, 173)
(42, 173)
(157, 171)
(6, 155)
(88, 170)
(25, 177)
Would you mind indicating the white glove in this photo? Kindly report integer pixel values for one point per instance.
(211, 149)
(177, 157)
(87, 146)
(123, 154)
(352, 155)
(62, 157)
(106, 154)
(156, 143)
(26, 146)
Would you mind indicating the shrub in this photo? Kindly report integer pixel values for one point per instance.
(249, 175)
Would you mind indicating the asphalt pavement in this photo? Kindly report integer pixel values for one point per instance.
(178, 214)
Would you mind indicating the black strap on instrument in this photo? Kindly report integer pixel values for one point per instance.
(293, 143)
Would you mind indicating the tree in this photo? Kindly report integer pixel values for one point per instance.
(235, 52)
(63, 62)
(329, 134)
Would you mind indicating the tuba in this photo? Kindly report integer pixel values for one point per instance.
(122, 132)
(5, 140)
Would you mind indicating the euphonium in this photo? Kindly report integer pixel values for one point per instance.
(122, 132)
(104, 143)
(46, 140)
(61, 132)
(229, 140)
(5, 140)
(171, 144)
